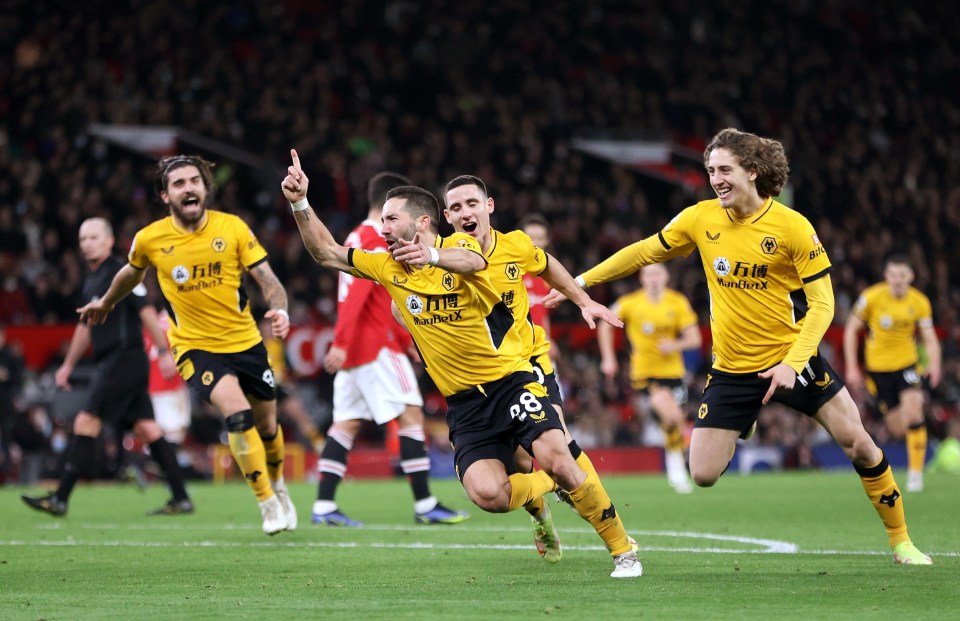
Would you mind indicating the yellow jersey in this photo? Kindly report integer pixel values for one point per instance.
(646, 323)
(892, 325)
(200, 275)
(459, 323)
(755, 268)
(510, 257)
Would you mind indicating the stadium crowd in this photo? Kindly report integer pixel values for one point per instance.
(859, 93)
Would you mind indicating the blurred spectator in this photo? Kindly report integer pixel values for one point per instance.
(32, 434)
(858, 91)
(11, 383)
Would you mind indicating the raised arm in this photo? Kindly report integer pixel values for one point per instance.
(123, 283)
(316, 237)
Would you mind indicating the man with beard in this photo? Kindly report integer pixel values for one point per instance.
(119, 393)
(475, 356)
(200, 255)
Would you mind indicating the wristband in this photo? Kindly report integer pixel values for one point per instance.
(283, 311)
(581, 282)
(300, 205)
(434, 256)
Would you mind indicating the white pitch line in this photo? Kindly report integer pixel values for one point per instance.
(426, 546)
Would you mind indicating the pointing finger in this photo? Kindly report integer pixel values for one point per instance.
(295, 158)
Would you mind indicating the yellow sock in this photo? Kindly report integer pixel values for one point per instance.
(586, 465)
(673, 440)
(247, 449)
(594, 505)
(916, 447)
(883, 492)
(525, 487)
(274, 449)
(534, 507)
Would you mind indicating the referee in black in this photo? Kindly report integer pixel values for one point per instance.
(119, 392)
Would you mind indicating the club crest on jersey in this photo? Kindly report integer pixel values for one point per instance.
(721, 266)
(512, 271)
(769, 245)
(180, 274)
(448, 281)
(219, 244)
(414, 304)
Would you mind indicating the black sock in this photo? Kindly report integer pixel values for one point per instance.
(162, 452)
(414, 450)
(331, 472)
(79, 458)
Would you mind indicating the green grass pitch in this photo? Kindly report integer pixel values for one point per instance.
(770, 546)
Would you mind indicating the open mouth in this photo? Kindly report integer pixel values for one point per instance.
(469, 227)
(723, 192)
(191, 201)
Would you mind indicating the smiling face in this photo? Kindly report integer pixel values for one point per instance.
(468, 210)
(186, 195)
(735, 186)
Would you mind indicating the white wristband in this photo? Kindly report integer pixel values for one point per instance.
(581, 282)
(300, 205)
(282, 311)
(434, 256)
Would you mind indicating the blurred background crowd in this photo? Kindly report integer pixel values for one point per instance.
(860, 92)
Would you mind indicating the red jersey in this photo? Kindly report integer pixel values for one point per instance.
(157, 382)
(365, 324)
(537, 289)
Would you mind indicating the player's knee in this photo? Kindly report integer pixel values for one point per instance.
(86, 424)
(705, 476)
(147, 430)
(490, 498)
(239, 422)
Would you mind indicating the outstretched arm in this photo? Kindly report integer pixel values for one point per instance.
(622, 263)
(560, 279)
(123, 283)
(316, 237)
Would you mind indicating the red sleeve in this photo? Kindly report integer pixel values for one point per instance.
(350, 309)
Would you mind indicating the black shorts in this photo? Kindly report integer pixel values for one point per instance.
(733, 400)
(202, 370)
(677, 387)
(885, 387)
(549, 381)
(491, 421)
(119, 392)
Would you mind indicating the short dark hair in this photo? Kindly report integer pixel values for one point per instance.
(381, 183)
(173, 162)
(533, 218)
(898, 258)
(456, 182)
(420, 202)
(765, 156)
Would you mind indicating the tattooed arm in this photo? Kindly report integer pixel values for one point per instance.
(276, 297)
